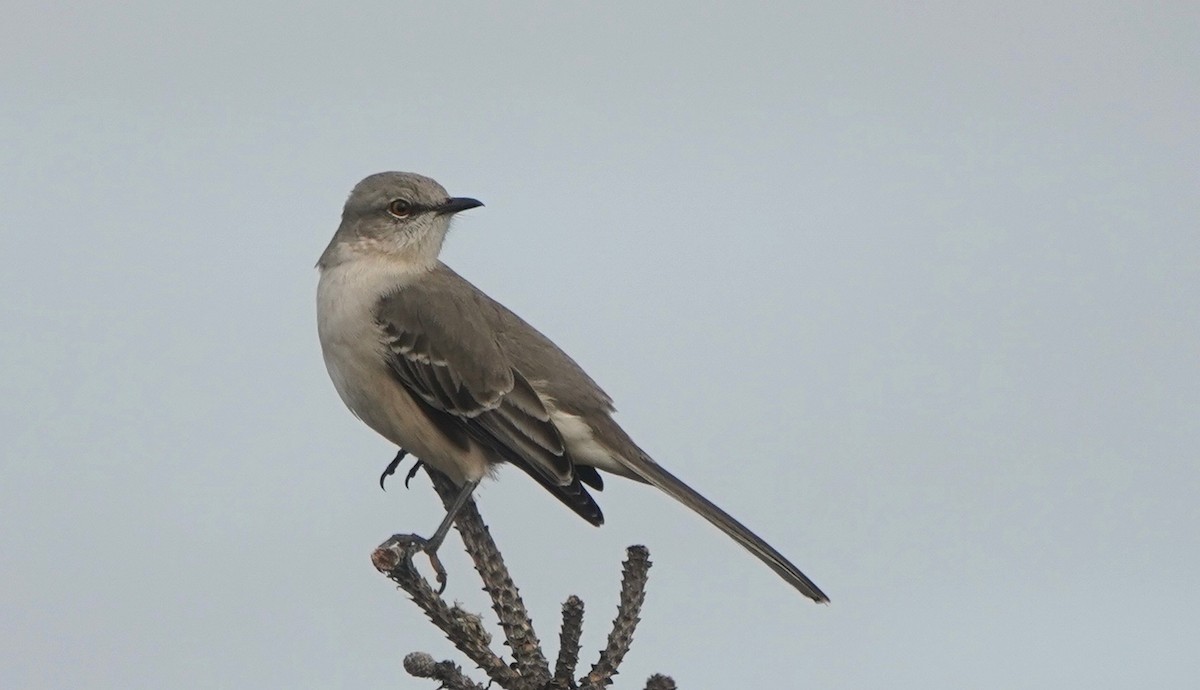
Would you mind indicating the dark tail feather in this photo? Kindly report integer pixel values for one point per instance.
(588, 475)
(573, 495)
(653, 473)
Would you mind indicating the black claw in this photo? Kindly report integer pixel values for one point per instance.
(412, 473)
(439, 569)
(391, 469)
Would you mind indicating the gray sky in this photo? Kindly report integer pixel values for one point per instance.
(914, 293)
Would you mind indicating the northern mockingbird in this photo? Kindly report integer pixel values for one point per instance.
(445, 372)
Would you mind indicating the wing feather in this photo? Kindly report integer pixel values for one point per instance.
(459, 368)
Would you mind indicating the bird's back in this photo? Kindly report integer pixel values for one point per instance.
(528, 351)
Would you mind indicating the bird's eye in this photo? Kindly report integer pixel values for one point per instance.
(400, 208)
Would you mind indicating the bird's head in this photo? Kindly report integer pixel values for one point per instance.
(404, 216)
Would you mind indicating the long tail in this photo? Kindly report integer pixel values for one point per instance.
(654, 473)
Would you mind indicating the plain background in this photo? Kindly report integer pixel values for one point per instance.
(911, 289)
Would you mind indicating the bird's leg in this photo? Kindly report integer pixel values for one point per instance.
(464, 495)
(431, 545)
(391, 468)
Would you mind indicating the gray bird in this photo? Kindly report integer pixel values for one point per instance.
(437, 367)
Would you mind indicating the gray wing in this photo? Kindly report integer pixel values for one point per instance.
(557, 376)
(551, 372)
(441, 348)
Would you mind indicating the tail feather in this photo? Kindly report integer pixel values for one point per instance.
(573, 495)
(655, 474)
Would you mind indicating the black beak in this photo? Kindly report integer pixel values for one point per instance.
(455, 204)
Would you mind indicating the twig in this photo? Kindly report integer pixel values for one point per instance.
(635, 571)
(394, 559)
(568, 643)
(529, 670)
(422, 665)
(506, 600)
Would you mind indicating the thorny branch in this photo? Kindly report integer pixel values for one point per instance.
(529, 669)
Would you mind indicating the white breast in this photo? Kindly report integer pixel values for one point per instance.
(350, 339)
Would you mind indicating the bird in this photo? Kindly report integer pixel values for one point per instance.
(447, 373)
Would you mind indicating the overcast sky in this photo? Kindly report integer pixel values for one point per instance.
(915, 293)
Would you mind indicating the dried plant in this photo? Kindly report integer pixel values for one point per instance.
(528, 668)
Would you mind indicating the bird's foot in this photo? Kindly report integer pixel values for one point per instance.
(412, 472)
(413, 542)
(391, 469)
